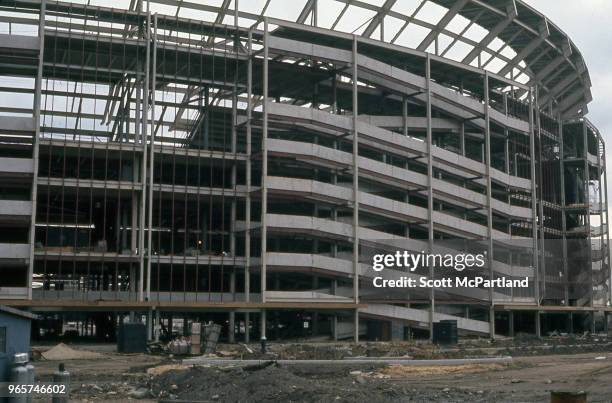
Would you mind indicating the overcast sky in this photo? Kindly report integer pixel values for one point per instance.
(589, 24)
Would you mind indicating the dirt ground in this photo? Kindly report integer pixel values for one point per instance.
(536, 369)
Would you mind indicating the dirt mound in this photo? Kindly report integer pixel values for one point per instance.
(63, 352)
(272, 383)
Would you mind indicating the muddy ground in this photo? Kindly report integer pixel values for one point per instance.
(537, 368)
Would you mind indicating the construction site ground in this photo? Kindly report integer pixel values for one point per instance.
(537, 368)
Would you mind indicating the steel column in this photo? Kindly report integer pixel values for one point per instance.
(430, 204)
(143, 198)
(36, 141)
(247, 218)
(152, 154)
(264, 174)
(534, 202)
(563, 218)
(487, 138)
(355, 187)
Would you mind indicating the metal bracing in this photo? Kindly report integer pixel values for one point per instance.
(551, 70)
(569, 104)
(407, 21)
(378, 19)
(559, 88)
(309, 8)
(543, 34)
(510, 23)
(434, 33)
(471, 24)
(511, 14)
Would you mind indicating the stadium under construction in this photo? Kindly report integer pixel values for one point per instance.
(239, 162)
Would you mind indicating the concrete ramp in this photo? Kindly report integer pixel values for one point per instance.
(420, 317)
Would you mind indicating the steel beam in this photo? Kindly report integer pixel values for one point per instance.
(433, 34)
(378, 19)
(511, 14)
(543, 34)
(547, 72)
(308, 8)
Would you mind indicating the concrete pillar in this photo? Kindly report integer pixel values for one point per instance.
(262, 324)
(592, 317)
(356, 322)
(507, 152)
(232, 314)
(247, 331)
(232, 284)
(334, 327)
(538, 331)
(511, 323)
(133, 239)
(315, 323)
(570, 320)
(315, 315)
(156, 326)
(277, 325)
(231, 327)
(492, 321)
(150, 324)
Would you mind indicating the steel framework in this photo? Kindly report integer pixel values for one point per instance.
(192, 159)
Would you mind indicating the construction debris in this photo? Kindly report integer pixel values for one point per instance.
(160, 369)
